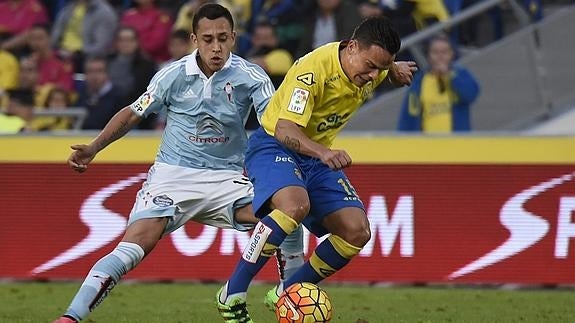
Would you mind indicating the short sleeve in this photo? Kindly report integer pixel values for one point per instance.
(300, 89)
(153, 100)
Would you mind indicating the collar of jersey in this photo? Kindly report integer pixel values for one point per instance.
(192, 67)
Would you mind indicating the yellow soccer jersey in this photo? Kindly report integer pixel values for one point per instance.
(317, 95)
(9, 71)
(436, 106)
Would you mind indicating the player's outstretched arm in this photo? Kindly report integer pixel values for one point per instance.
(115, 129)
(290, 135)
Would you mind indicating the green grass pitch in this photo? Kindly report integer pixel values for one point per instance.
(194, 302)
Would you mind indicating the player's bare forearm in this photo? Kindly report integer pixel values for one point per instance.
(292, 143)
(292, 137)
(116, 128)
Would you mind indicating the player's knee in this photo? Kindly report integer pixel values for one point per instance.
(357, 235)
(293, 201)
(363, 237)
(297, 211)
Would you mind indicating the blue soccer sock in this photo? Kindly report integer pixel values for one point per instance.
(329, 256)
(268, 234)
(103, 277)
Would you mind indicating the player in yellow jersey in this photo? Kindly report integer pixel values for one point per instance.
(297, 177)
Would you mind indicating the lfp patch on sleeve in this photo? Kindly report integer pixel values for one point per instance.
(142, 103)
(298, 100)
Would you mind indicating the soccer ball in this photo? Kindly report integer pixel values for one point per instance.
(303, 303)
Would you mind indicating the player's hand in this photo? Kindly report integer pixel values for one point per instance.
(81, 157)
(402, 72)
(336, 159)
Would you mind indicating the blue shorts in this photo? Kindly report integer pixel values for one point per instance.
(271, 167)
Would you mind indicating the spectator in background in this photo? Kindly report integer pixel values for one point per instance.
(286, 15)
(99, 96)
(399, 12)
(130, 70)
(179, 45)
(18, 113)
(428, 12)
(467, 32)
(274, 60)
(153, 27)
(16, 17)
(28, 80)
(470, 32)
(186, 14)
(9, 71)
(51, 68)
(84, 28)
(408, 15)
(439, 99)
(332, 20)
(268, 55)
(170, 7)
(58, 99)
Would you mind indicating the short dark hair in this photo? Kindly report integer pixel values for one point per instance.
(96, 58)
(212, 11)
(378, 30)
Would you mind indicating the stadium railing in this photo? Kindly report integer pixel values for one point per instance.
(413, 43)
(78, 114)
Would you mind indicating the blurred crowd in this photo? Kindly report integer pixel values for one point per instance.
(100, 55)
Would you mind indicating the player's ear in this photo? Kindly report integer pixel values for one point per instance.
(353, 46)
(194, 39)
(234, 37)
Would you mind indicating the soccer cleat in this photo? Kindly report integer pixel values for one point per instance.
(65, 319)
(235, 312)
(271, 299)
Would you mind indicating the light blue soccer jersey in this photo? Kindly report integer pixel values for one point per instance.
(205, 116)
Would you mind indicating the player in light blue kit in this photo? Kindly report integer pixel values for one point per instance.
(198, 172)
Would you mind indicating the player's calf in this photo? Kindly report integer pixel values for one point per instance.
(330, 255)
(102, 278)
